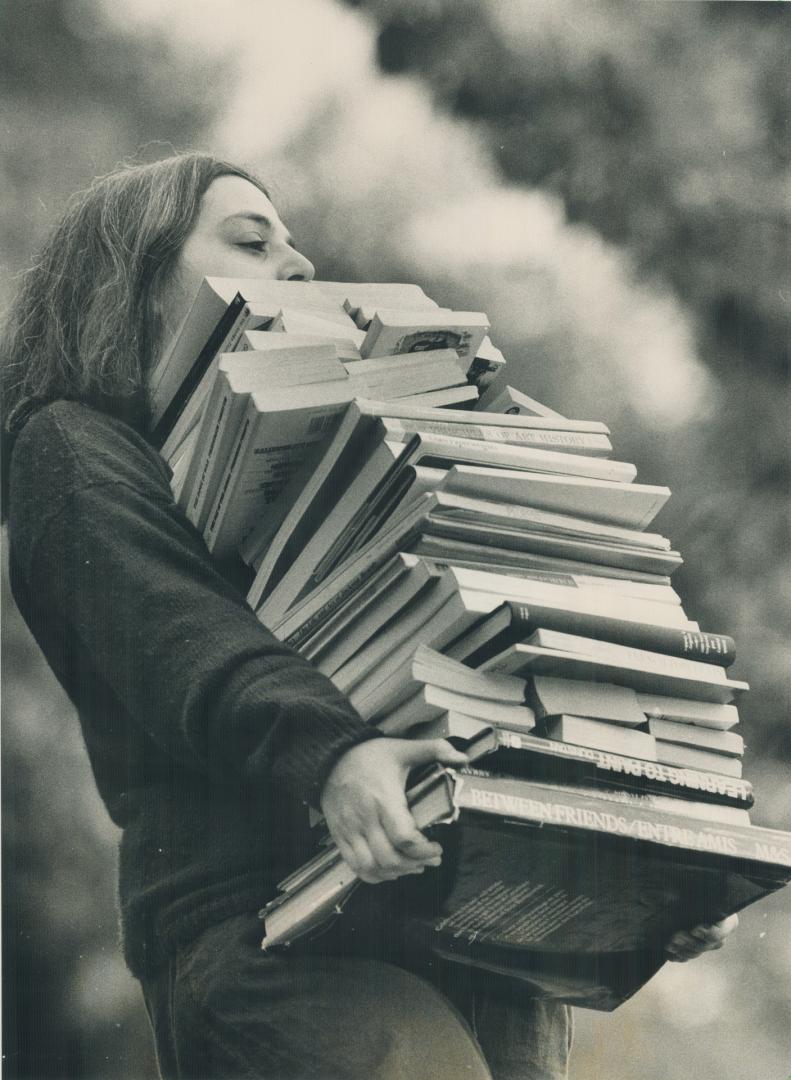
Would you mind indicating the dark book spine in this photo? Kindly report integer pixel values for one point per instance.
(525, 619)
(537, 758)
(531, 802)
(196, 372)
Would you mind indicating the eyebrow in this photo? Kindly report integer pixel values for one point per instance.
(259, 219)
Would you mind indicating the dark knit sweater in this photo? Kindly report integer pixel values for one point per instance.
(206, 735)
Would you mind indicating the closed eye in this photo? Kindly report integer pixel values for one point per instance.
(253, 245)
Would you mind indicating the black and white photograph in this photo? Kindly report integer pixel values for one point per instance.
(396, 531)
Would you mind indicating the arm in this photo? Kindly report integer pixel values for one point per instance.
(135, 618)
(130, 609)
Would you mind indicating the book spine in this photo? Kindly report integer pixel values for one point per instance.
(662, 707)
(562, 759)
(229, 477)
(527, 660)
(632, 560)
(415, 414)
(685, 644)
(451, 449)
(169, 412)
(583, 442)
(370, 562)
(531, 518)
(620, 653)
(215, 426)
(280, 443)
(231, 343)
(542, 805)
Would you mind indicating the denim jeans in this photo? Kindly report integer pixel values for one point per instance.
(222, 1009)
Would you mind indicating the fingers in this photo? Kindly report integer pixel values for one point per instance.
(374, 858)
(366, 811)
(404, 835)
(392, 862)
(426, 751)
(381, 842)
(689, 944)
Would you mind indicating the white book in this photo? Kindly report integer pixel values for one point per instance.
(719, 742)
(692, 757)
(394, 331)
(492, 544)
(323, 633)
(335, 325)
(684, 711)
(277, 435)
(216, 295)
(237, 375)
(448, 622)
(346, 578)
(434, 371)
(246, 336)
(432, 701)
(307, 568)
(524, 660)
(257, 340)
(507, 399)
(478, 420)
(595, 444)
(392, 604)
(441, 399)
(456, 450)
(577, 697)
(613, 653)
(444, 544)
(430, 666)
(600, 735)
(631, 505)
(362, 310)
(466, 508)
(405, 631)
(611, 595)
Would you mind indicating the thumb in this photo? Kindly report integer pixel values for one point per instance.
(424, 751)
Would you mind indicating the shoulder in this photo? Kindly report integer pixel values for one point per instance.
(74, 445)
(65, 449)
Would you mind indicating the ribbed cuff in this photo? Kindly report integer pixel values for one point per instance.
(318, 742)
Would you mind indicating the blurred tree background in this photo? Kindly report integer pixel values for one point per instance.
(609, 181)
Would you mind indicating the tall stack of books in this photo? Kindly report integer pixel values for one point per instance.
(467, 563)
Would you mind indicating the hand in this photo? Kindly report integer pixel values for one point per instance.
(689, 944)
(366, 810)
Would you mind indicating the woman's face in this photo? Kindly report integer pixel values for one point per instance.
(238, 233)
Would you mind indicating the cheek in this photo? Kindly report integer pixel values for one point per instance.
(200, 258)
(176, 297)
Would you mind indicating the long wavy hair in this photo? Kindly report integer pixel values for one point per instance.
(87, 320)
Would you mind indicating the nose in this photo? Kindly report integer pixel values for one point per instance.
(295, 266)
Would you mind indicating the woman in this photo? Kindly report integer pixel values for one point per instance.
(207, 737)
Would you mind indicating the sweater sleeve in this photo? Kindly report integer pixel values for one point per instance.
(122, 596)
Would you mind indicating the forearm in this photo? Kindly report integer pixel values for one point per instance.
(130, 598)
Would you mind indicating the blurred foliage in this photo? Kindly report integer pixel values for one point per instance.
(665, 127)
(639, 153)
